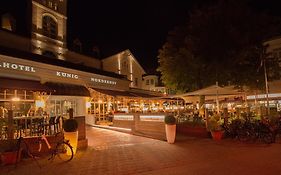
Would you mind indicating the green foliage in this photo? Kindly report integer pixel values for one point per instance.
(170, 120)
(223, 43)
(215, 123)
(70, 125)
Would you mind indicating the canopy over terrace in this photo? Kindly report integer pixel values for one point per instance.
(105, 102)
(211, 93)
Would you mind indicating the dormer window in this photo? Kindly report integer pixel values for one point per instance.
(50, 27)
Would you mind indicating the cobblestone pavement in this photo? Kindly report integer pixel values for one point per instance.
(115, 153)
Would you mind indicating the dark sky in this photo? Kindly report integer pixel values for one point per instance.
(138, 25)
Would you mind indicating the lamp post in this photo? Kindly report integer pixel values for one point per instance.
(266, 85)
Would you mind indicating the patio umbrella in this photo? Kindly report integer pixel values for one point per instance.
(210, 92)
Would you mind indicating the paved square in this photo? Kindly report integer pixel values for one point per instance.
(115, 153)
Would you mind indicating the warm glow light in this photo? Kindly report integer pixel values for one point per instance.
(39, 103)
(15, 99)
(99, 101)
(119, 64)
(88, 104)
(73, 141)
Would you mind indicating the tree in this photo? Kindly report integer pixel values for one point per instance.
(223, 43)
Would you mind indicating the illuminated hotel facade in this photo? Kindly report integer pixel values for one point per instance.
(37, 68)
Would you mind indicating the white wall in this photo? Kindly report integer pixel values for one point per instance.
(124, 63)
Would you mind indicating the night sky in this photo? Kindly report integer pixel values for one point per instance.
(141, 26)
(113, 26)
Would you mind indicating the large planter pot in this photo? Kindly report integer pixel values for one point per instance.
(8, 158)
(217, 135)
(170, 133)
(73, 140)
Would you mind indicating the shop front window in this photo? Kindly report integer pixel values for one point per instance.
(61, 107)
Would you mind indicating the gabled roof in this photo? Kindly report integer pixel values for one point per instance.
(130, 53)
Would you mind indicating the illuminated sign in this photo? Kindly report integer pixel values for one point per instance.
(123, 117)
(99, 80)
(14, 66)
(152, 118)
(67, 75)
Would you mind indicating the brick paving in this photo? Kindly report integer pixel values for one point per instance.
(115, 153)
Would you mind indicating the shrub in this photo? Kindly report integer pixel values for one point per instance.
(215, 123)
(170, 120)
(70, 125)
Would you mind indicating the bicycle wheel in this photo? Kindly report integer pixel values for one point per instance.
(244, 136)
(64, 151)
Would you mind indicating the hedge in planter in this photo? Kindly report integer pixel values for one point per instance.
(170, 128)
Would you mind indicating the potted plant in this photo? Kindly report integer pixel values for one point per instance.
(170, 128)
(215, 127)
(70, 127)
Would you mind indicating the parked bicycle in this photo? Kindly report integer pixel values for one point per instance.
(252, 131)
(60, 148)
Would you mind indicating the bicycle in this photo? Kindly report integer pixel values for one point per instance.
(62, 148)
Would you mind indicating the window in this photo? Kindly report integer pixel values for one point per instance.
(55, 6)
(125, 66)
(152, 81)
(147, 82)
(136, 81)
(50, 4)
(60, 107)
(50, 27)
(8, 22)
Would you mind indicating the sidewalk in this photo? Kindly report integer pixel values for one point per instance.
(116, 153)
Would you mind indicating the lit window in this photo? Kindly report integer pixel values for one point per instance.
(50, 4)
(8, 22)
(50, 27)
(55, 6)
(147, 82)
(125, 66)
(151, 81)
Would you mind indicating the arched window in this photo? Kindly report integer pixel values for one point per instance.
(50, 27)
